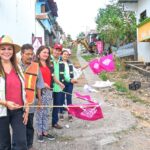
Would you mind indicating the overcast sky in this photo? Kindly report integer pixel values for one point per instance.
(75, 16)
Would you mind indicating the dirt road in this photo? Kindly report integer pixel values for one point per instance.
(122, 128)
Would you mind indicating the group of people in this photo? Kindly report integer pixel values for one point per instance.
(27, 86)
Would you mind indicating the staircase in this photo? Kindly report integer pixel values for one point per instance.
(138, 65)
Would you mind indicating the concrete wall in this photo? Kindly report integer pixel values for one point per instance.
(17, 19)
(39, 32)
(143, 51)
(143, 5)
(131, 6)
(143, 47)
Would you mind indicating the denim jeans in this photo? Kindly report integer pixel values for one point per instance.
(68, 97)
(15, 119)
(30, 130)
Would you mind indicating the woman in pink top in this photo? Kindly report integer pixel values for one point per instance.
(12, 98)
(43, 58)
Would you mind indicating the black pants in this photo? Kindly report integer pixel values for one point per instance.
(30, 130)
(15, 119)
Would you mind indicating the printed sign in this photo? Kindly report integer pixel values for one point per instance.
(100, 46)
(36, 43)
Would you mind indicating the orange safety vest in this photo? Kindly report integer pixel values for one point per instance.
(30, 81)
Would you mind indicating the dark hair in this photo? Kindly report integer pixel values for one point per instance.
(13, 60)
(39, 51)
(26, 47)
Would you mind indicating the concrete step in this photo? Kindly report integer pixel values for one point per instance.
(134, 62)
(140, 69)
(148, 68)
(141, 65)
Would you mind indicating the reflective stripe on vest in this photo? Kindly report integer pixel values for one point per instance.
(61, 71)
(30, 81)
(71, 69)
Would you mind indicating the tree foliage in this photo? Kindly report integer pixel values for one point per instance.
(116, 26)
(67, 42)
(81, 35)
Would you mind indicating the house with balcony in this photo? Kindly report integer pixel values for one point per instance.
(142, 9)
(30, 21)
(46, 24)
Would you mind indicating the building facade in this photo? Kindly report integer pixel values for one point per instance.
(17, 19)
(29, 21)
(46, 14)
(142, 9)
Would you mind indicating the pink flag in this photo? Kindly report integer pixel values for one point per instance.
(95, 67)
(107, 63)
(84, 97)
(88, 112)
(100, 46)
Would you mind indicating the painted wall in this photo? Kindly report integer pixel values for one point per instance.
(18, 19)
(143, 5)
(143, 47)
(131, 6)
(39, 32)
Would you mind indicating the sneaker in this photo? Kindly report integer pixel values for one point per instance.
(40, 138)
(50, 137)
(70, 119)
(57, 126)
(61, 117)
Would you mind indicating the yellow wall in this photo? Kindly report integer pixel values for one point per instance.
(144, 32)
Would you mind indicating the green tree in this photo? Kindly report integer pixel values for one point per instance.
(69, 38)
(81, 35)
(68, 41)
(116, 26)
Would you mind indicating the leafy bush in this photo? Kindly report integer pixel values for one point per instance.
(88, 57)
(120, 87)
(119, 64)
(103, 76)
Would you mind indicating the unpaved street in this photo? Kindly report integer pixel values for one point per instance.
(124, 126)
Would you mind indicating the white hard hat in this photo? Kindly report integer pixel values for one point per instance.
(68, 50)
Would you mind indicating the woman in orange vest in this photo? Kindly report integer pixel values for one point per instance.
(12, 98)
(43, 58)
